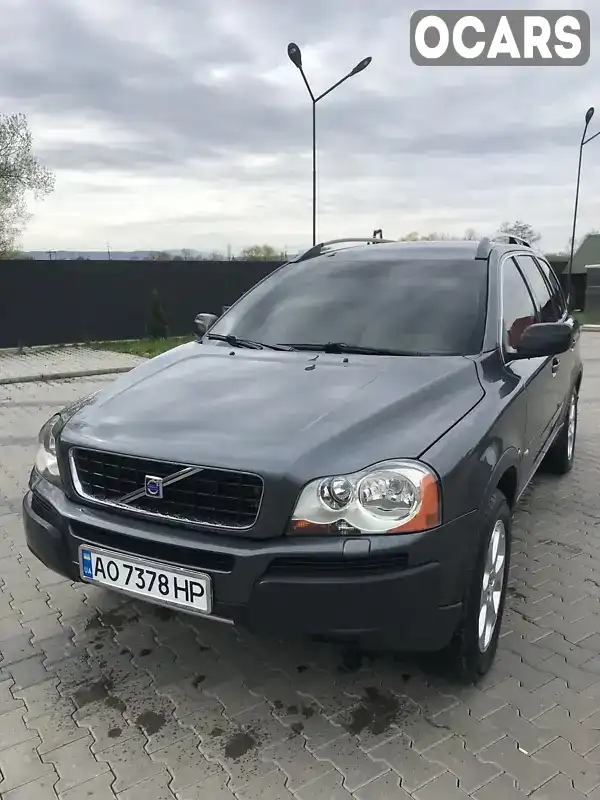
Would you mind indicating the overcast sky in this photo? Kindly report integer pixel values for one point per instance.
(182, 123)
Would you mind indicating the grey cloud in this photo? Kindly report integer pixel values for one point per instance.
(383, 124)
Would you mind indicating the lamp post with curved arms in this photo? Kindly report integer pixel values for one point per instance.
(588, 116)
(295, 57)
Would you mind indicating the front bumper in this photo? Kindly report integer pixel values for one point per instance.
(401, 591)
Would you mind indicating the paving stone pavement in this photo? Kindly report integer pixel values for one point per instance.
(62, 361)
(101, 697)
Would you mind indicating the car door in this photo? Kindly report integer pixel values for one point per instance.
(560, 371)
(518, 312)
(569, 361)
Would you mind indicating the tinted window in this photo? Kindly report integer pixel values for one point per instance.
(424, 305)
(518, 308)
(555, 288)
(539, 288)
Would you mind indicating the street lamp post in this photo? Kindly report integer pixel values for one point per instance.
(295, 57)
(588, 116)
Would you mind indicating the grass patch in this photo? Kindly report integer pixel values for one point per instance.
(148, 348)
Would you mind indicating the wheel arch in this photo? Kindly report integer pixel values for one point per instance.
(505, 477)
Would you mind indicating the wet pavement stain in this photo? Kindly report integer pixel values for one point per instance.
(93, 624)
(278, 704)
(102, 622)
(297, 728)
(239, 744)
(163, 613)
(352, 660)
(292, 709)
(145, 652)
(217, 732)
(308, 711)
(515, 593)
(92, 693)
(117, 620)
(151, 722)
(114, 733)
(116, 703)
(199, 679)
(376, 713)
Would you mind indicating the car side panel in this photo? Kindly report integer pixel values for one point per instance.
(490, 440)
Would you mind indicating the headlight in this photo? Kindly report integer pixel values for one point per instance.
(390, 497)
(46, 463)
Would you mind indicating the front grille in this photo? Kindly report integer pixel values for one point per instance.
(331, 566)
(218, 498)
(153, 550)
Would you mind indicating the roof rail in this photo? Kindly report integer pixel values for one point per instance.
(318, 249)
(486, 244)
(510, 239)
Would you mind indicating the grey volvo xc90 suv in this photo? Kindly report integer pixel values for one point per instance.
(338, 455)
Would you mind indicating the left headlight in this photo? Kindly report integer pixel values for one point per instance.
(46, 462)
(389, 497)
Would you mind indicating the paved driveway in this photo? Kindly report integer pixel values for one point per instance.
(101, 697)
(61, 362)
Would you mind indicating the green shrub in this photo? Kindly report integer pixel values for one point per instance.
(157, 327)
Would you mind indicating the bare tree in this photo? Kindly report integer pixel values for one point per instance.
(438, 236)
(261, 252)
(521, 229)
(21, 174)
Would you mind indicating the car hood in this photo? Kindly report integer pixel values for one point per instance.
(293, 413)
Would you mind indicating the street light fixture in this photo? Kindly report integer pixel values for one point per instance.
(588, 116)
(295, 57)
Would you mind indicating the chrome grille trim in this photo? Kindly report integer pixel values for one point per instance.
(155, 515)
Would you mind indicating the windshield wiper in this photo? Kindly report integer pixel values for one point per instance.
(342, 347)
(249, 343)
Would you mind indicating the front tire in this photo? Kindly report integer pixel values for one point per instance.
(473, 648)
(560, 457)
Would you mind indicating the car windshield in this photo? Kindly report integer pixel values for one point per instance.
(421, 306)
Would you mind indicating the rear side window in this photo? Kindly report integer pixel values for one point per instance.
(518, 309)
(539, 288)
(556, 291)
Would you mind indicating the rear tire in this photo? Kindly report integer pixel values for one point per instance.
(560, 457)
(473, 648)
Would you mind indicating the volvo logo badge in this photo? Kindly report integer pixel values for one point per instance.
(153, 487)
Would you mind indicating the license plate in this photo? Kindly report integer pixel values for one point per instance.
(148, 579)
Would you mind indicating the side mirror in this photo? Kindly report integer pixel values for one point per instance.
(545, 339)
(203, 322)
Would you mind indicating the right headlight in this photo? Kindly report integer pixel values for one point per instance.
(46, 463)
(401, 496)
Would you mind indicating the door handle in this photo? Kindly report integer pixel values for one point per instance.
(555, 365)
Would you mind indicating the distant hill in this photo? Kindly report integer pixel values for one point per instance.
(101, 255)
